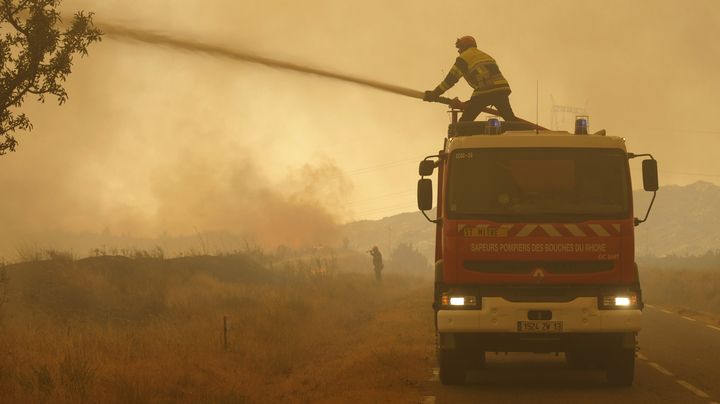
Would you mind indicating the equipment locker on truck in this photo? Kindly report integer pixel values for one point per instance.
(535, 246)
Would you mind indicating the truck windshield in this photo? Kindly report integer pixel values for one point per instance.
(542, 184)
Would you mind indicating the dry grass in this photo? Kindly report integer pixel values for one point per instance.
(142, 328)
(115, 329)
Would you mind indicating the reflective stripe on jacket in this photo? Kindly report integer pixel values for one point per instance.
(479, 70)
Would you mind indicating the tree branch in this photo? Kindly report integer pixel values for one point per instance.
(36, 58)
(10, 15)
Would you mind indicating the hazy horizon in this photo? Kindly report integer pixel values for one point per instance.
(156, 141)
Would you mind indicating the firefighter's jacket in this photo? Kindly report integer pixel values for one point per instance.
(479, 70)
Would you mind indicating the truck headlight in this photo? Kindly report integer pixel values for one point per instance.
(622, 301)
(627, 300)
(455, 300)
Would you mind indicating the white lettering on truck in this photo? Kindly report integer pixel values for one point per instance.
(538, 247)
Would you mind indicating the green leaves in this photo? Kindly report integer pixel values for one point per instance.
(36, 56)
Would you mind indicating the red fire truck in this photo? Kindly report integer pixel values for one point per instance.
(535, 246)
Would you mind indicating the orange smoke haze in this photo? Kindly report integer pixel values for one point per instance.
(158, 141)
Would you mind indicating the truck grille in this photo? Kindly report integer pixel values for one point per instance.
(527, 267)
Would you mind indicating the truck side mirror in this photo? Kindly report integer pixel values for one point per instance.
(424, 193)
(426, 168)
(650, 175)
(650, 181)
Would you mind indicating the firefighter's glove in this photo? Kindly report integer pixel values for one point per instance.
(431, 96)
(455, 103)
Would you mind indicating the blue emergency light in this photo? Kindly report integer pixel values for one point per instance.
(581, 125)
(493, 126)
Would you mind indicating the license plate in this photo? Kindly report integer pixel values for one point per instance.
(539, 326)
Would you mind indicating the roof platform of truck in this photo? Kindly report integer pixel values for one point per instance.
(489, 127)
(497, 127)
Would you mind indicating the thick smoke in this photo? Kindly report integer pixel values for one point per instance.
(140, 156)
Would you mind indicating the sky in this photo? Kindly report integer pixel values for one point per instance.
(159, 141)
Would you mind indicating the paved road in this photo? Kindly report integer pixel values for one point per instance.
(678, 362)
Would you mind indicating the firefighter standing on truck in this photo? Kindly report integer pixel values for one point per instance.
(377, 262)
(483, 75)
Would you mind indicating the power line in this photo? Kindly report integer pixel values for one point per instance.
(364, 170)
(405, 207)
(383, 196)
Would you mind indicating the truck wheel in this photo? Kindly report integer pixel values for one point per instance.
(620, 368)
(452, 368)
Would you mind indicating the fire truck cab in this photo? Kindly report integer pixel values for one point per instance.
(534, 246)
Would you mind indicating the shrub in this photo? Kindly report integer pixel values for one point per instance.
(407, 259)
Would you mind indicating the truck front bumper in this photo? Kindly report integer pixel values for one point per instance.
(499, 315)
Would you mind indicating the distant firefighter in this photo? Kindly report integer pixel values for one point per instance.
(377, 262)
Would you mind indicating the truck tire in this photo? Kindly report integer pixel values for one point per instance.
(620, 367)
(452, 367)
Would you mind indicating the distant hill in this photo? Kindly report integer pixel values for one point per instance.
(685, 220)
(411, 228)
